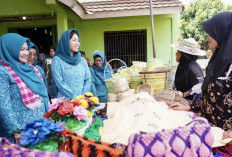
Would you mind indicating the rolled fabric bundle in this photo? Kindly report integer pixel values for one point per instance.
(120, 85)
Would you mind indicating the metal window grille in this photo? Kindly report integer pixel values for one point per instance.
(126, 45)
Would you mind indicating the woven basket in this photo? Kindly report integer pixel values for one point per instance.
(145, 88)
(108, 82)
(157, 80)
(134, 85)
(109, 86)
(135, 81)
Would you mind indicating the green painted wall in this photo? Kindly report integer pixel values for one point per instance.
(92, 33)
(13, 8)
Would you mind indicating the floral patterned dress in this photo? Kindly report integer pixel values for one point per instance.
(216, 101)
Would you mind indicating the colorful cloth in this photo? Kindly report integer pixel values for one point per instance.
(225, 151)
(81, 146)
(30, 99)
(9, 149)
(194, 140)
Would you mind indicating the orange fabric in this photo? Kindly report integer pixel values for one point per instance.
(85, 149)
(65, 147)
(87, 144)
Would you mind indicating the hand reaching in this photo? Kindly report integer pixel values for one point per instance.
(227, 134)
(186, 94)
(180, 107)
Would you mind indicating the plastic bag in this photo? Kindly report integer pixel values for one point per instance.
(157, 65)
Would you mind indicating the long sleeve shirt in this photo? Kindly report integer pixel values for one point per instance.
(71, 80)
(41, 71)
(98, 88)
(13, 113)
(195, 68)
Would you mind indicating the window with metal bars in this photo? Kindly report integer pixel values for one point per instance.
(126, 45)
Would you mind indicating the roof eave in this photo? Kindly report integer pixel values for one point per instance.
(134, 12)
(76, 7)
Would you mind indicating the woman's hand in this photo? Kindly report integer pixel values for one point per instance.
(180, 107)
(186, 94)
(227, 134)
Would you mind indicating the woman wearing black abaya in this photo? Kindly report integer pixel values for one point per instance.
(189, 76)
(216, 101)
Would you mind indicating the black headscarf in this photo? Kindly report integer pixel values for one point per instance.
(219, 28)
(185, 78)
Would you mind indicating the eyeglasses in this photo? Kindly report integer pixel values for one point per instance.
(32, 54)
(98, 60)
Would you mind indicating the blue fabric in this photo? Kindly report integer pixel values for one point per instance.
(10, 46)
(13, 113)
(63, 49)
(53, 89)
(44, 58)
(32, 45)
(99, 71)
(71, 80)
(41, 71)
(98, 87)
(196, 98)
(121, 64)
(115, 70)
(190, 90)
(41, 63)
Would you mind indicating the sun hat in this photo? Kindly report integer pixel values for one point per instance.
(189, 46)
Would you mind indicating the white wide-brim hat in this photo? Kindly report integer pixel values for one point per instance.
(189, 46)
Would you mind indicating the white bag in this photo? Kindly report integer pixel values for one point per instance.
(170, 97)
(120, 85)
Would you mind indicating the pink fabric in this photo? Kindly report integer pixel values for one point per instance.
(37, 71)
(190, 141)
(30, 99)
